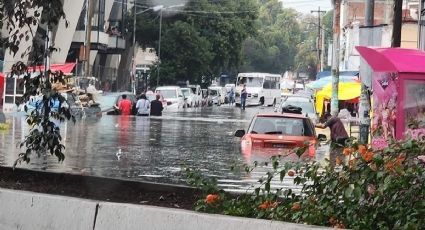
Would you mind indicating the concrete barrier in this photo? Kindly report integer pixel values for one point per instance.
(126, 216)
(33, 211)
(36, 211)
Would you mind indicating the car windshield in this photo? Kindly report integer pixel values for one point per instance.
(107, 101)
(213, 92)
(306, 105)
(186, 92)
(168, 93)
(281, 125)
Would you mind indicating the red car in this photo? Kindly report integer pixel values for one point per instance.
(278, 134)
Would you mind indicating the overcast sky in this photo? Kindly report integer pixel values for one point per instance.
(305, 6)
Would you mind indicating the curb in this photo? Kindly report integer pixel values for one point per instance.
(35, 211)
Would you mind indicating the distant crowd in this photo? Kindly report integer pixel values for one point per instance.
(144, 107)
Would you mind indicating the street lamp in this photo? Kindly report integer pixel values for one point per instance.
(159, 41)
(154, 8)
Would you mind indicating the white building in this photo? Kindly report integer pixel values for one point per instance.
(110, 57)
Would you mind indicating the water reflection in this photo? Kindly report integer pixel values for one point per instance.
(152, 149)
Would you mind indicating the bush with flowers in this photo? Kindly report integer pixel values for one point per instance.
(362, 189)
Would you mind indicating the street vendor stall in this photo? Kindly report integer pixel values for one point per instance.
(14, 89)
(398, 86)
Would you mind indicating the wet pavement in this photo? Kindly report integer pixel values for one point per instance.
(151, 149)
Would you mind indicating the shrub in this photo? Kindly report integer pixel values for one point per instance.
(365, 189)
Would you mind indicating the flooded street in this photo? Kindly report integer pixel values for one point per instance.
(150, 149)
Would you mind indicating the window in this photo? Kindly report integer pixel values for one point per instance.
(251, 81)
(282, 125)
(271, 83)
(10, 86)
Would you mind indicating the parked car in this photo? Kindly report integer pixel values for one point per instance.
(304, 102)
(172, 94)
(108, 101)
(189, 97)
(279, 134)
(217, 95)
(196, 89)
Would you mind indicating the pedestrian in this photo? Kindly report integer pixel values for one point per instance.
(156, 106)
(143, 106)
(339, 136)
(231, 96)
(125, 105)
(244, 95)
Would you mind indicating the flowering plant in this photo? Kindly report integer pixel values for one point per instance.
(362, 189)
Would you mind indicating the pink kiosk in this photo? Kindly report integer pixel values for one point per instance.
(398, 86)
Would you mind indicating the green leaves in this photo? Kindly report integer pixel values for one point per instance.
(388, 192)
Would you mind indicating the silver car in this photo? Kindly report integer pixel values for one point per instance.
(305, 103)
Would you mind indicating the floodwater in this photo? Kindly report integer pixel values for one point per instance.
(151, 149)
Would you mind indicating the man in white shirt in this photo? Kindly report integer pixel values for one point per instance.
(143, 106)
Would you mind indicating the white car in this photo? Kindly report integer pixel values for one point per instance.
(196, 89)
(189, 97)
(172, 94)
(229, 87)
(217, 94)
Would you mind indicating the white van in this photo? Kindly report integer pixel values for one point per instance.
(262, 88)
(172, 95)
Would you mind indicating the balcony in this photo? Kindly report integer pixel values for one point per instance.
(116, 44)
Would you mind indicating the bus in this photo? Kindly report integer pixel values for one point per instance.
(262, 88)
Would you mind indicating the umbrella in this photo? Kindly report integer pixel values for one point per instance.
(322, 82)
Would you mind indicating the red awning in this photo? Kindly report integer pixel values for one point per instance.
(393, 59)
(65, 68)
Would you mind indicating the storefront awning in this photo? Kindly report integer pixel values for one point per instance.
(393, 59)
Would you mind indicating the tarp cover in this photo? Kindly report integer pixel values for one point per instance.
(393, 59)
(346, 91)
(322, 82)
(65, 68)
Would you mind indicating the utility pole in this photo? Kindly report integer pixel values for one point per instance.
(364, 105)
(336, 57)
(319, 43)
(421, 25)
(397, 23)
(47, 44)
(159, 48)
(133, 70)
(87, 42)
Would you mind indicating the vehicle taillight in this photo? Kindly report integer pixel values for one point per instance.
(312, 148)
(246, 143)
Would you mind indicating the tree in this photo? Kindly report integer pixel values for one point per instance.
(187, 55)
(218, 29)
(273, 47)
(44, 135)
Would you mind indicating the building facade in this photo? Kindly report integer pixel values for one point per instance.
(110, 54)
